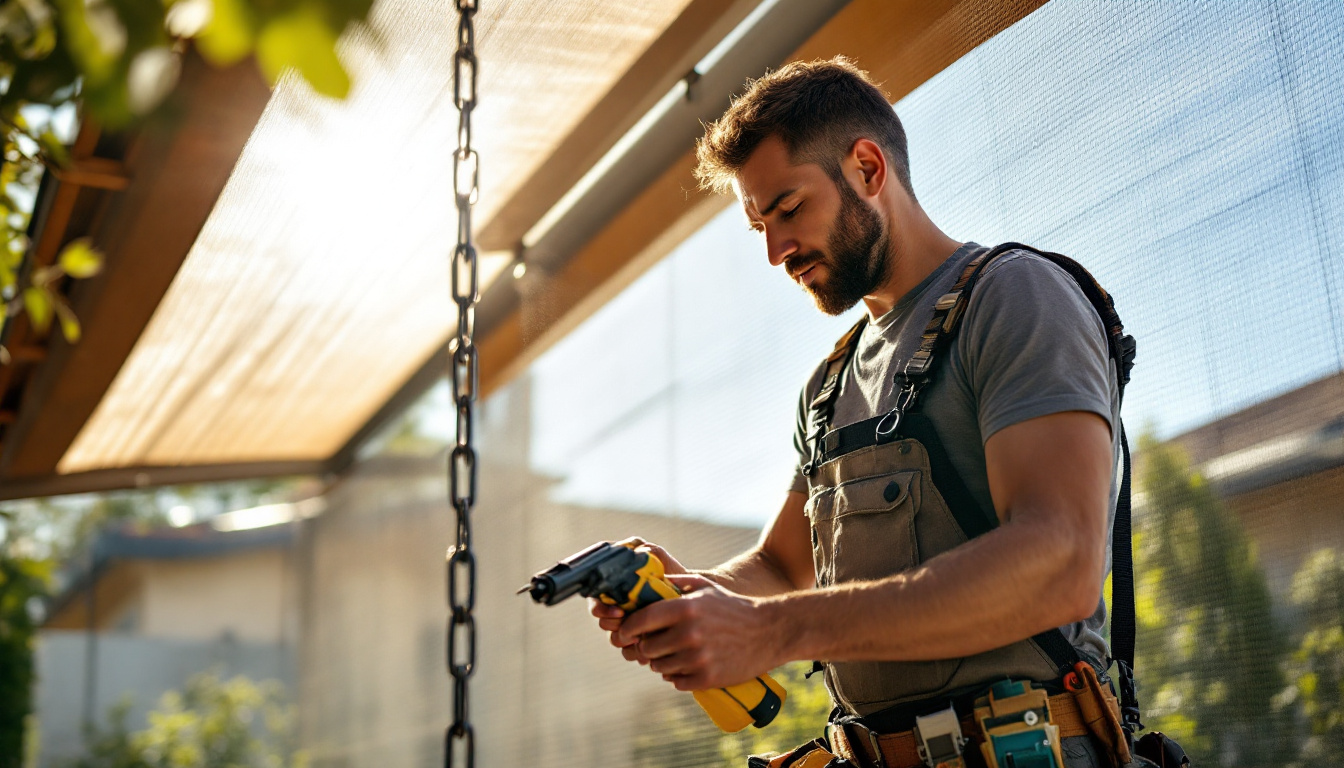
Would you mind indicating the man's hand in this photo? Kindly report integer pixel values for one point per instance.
(609, 617)
(710, 638)
(779, 564)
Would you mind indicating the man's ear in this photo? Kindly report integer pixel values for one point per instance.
(868, 166)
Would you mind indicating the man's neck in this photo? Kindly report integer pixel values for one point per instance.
(917, 247)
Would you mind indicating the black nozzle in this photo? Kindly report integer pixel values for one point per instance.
(581, 573)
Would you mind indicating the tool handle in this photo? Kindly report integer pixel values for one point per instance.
(755, 702)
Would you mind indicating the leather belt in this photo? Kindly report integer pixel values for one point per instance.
(855, 741)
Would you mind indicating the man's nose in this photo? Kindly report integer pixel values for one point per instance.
(778, 248)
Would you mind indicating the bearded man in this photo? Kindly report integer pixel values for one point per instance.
(869, 566)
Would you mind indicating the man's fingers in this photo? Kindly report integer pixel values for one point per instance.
(678, 639)
(670, 564)
(654, 618)
(687, 682)
(682, 663)
(609, 625)
(631, 653)
(604, 610)
(689, 582)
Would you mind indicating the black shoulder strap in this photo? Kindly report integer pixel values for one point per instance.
(822, 408)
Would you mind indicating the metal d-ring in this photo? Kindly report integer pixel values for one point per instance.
(888, 425)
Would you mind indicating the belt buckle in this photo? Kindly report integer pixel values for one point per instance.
(851, 727)
(938, 739)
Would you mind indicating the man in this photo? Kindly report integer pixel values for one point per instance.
(1024, 401)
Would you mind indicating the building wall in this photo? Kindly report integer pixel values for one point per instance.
(1291, 520)
(247, 594)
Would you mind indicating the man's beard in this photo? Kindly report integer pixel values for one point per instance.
(857, 263)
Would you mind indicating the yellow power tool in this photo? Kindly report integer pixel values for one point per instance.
(619, 575)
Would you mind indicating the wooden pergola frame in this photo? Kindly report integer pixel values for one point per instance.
(144, 199)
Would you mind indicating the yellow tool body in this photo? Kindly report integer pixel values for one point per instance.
(620, 575)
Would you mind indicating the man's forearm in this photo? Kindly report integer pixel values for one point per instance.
(753, 573)
(1010, 584)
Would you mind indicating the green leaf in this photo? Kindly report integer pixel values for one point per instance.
(303, 39)
(228, 37)
(54, 148)
(80, 259)
(69, 323)
(38, 304)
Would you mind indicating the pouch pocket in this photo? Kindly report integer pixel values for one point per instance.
(864, 529)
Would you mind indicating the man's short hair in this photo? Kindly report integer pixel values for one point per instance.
(818, 108)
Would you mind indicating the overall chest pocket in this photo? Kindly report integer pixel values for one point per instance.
(864, 529)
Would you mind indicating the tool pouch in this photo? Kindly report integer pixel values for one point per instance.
(1161, 750)
(813, 754)
(1019, 733)
(1100, 711)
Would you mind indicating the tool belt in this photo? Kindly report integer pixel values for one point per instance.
(1013, 724)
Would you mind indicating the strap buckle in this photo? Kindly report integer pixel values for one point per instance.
(1129, 700)
(939, 740)
(852, 727)
(905, 399)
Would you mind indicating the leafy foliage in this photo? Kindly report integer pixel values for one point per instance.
(1318, 663)
(213, 723)
(26, 150)
(119, 59)
(1209, 648)
(22, 580)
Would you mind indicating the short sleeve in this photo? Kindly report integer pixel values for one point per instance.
(1032, 345)
(799, 483)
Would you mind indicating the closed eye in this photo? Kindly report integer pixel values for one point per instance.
(786, 215)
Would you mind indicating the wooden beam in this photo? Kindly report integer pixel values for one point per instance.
(178, 166)
(685, 41)
(97, 172)
(144, 477)
(27, 353)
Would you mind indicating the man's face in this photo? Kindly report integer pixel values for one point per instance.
(824, 235)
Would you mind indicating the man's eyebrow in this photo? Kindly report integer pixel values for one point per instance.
(778, 199)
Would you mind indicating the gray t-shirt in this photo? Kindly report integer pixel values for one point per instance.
(1030, 345)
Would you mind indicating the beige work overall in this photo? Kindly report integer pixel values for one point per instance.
(874, 513)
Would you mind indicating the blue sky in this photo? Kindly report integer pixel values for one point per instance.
(1191, 155)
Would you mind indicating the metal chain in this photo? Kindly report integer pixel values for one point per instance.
(461, 566)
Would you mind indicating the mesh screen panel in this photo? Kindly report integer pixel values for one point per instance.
(1190, 154)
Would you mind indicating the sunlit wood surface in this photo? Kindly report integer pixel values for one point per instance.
(319, 282)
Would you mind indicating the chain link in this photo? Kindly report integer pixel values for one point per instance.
(461, 561)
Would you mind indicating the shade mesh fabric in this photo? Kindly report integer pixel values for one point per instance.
(1190, 154)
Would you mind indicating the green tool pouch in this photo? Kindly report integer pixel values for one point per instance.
(1015, 720)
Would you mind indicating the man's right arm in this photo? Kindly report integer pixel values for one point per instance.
(780, 562)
